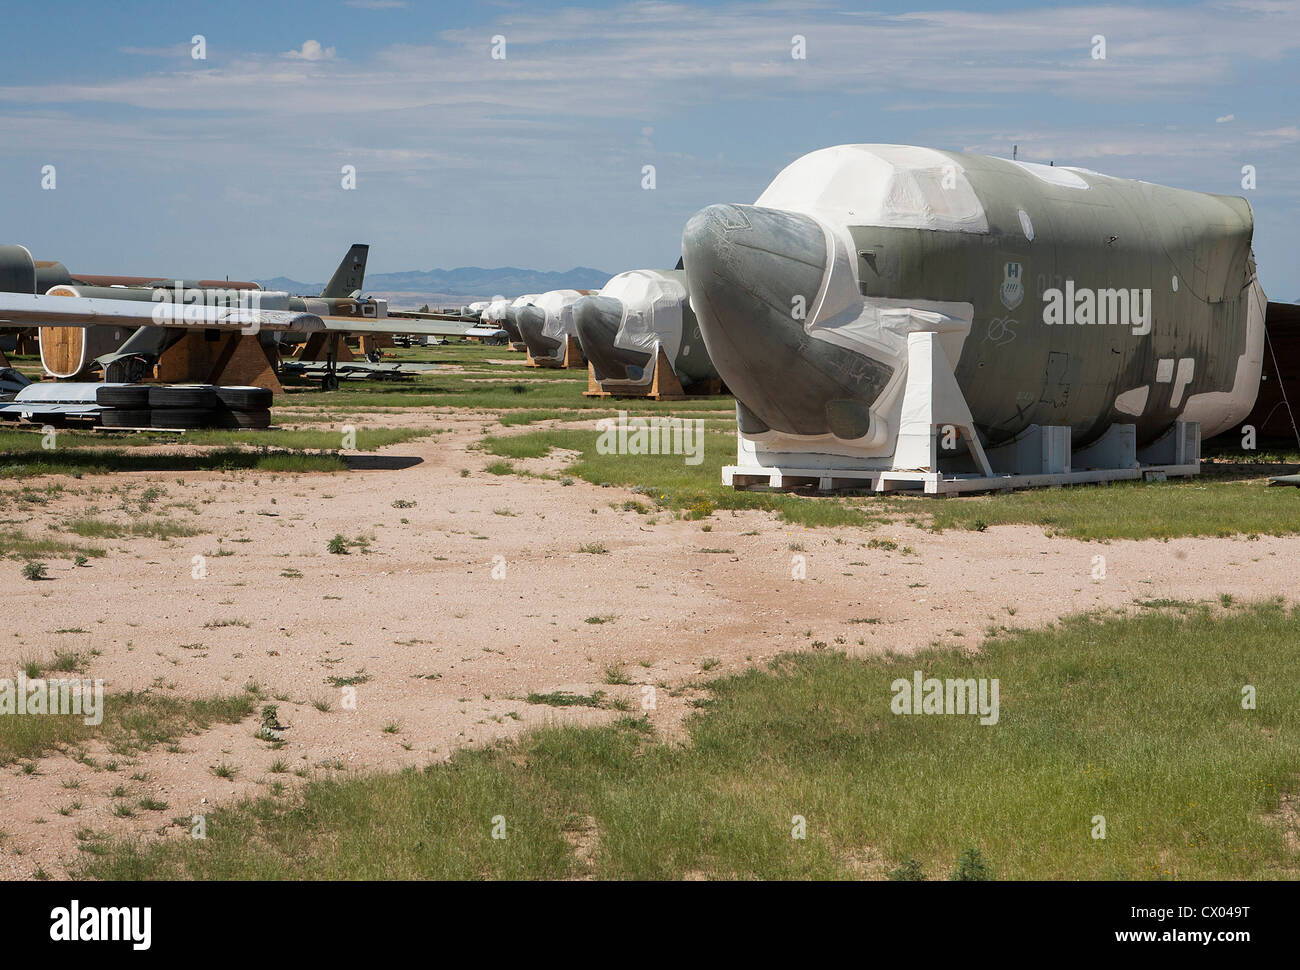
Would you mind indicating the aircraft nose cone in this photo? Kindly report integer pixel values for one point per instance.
(510, 324)
(597, 319)
(751, 271)
(531, 321)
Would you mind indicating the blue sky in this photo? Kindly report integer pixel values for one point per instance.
(231, 165)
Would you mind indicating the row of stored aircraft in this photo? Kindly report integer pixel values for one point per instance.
(1055, 297)
(121, 325)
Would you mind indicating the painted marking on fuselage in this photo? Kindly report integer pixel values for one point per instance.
(1012, 290)
(1166, 374)
(1000, 331)
(1133, 401)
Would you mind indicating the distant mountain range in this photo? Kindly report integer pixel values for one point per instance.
(463, 285)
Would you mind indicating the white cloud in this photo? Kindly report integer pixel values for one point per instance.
(311, 51)
(650, 58)
(460, 132)
(1224, 119)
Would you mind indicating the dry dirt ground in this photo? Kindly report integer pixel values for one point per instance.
(452, 653)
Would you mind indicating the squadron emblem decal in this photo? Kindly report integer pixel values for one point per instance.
(1012, 290)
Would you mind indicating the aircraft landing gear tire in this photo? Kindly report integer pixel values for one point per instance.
(184, 418)
(244, 398)
(189, 396)
(126, 418)
(134, 396)
(244, 419)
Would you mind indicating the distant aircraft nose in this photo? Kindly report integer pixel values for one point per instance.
(531, 320)
(751, 270)
(597, 320)
(510, 324)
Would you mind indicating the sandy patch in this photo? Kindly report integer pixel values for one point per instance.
(451, 652)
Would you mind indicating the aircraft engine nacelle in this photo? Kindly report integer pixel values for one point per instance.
(68, 352)
(17, 270)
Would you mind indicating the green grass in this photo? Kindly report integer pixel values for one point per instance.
(281, 462)
(561, 698)
(134, 721)
(1138, 719)
(17, 461)
(16, 545)
(360, 677)
(518, 418)
(91, 528)
(1133, 510)
(696, 490)
(367, 438)
(1224, 502)
(507, 387)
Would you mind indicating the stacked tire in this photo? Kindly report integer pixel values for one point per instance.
(243, 407)
(183, 406)
(124, 406)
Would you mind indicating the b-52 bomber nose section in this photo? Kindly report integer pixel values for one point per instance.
(532, 322)
(597, 319)
(510, 324)
(755, 274)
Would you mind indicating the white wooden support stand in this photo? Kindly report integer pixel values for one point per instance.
(934, 407)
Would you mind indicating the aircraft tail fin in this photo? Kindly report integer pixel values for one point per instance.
(349, 278)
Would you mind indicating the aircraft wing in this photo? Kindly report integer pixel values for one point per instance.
(433, 328)
(23, 309)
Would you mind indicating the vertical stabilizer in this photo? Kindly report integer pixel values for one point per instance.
(350, 277)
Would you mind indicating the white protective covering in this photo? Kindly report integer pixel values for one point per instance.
(1065, 177)
(897, 186)
(524, 300)
(879, 328)
(884, 185)
(652, 311)
(558, 307)
(495, 311)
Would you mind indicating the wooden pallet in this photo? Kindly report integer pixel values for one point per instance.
(664, 387)
(573, 359)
